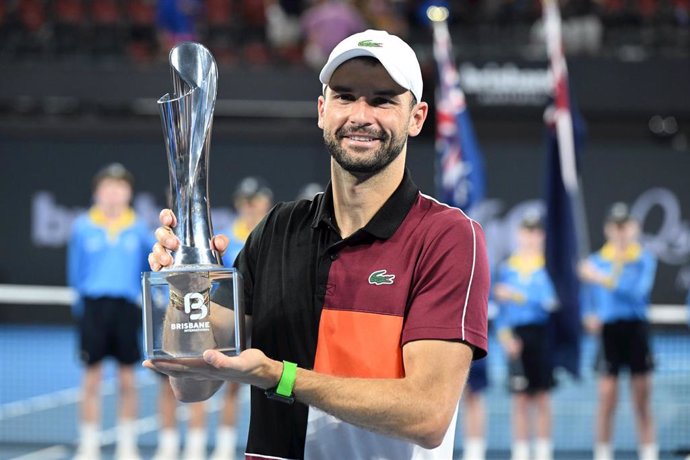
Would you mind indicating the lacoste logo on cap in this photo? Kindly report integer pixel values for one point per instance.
(380, 277)
(370, 44)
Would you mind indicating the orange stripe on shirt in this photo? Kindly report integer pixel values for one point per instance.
(359, 344)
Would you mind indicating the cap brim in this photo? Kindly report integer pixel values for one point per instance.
(388, 64)
(619, 220)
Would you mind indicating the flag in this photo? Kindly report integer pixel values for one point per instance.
(565, 224)
(460, 178)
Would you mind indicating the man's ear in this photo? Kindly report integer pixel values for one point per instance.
(321, 102)
(419, 114)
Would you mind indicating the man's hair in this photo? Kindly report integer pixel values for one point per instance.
(112, 171)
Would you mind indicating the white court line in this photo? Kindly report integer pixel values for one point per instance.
(60, 398)
(43, 402)
(149, 424)
(49, 453)
(109, 436)
(142, 426)
(37, 295)
(63, 295)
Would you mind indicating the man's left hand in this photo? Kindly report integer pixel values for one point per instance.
(252, 367)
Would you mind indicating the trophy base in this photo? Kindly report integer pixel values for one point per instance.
(189, 310)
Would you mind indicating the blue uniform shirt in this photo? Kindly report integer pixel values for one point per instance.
(107, 261)
(626, 297)
(537, 296)
(237, 235)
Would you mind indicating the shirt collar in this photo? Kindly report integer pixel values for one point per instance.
(631, 253)
(386, 221)
(112, 227)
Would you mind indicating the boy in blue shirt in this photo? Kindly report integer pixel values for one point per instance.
(617, 282)
(107, 252)
(525, 295)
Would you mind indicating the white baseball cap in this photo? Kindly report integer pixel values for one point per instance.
(393, 53)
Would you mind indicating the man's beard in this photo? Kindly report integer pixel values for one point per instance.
(388, 151)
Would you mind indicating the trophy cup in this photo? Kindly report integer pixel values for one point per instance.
(195, 304)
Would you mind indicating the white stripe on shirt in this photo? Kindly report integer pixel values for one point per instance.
(474, 257)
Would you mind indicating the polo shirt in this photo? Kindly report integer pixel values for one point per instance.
(345, 307)
(529, 278)
(105, 259)
(626, 297)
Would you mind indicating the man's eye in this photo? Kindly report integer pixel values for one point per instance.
(345, 97)
(382, 101)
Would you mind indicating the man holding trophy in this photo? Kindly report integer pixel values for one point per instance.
(365, 306)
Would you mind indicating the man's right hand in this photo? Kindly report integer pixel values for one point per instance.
(512, 346)
(592, 324)
(505, 293)
(167, 242)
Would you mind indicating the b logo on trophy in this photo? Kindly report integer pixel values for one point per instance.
(196, 303)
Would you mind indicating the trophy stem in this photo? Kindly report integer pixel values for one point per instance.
(187, 119)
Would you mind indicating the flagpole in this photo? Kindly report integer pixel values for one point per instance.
(562, 118)
(459, 166)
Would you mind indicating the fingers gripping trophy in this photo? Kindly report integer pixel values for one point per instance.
(195, 304)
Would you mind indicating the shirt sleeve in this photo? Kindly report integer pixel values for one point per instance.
(587, 303)
(74, 258)
(636, 283)
(547, 293)
(245, 264)
(75, 267)
(450, 293)
(502, 320)
(147, 239)
(246, 261)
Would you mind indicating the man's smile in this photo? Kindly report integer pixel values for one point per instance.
(361, 138)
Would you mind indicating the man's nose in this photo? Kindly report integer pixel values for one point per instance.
(362, 112)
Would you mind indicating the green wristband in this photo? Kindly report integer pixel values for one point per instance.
(287, 379)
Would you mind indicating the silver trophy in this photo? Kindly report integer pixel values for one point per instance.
(196, 303)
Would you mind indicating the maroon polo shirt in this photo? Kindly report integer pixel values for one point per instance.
(417, 271)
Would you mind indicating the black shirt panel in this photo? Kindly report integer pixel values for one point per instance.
(285, 266)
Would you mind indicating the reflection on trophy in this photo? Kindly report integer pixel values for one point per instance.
(195, 304)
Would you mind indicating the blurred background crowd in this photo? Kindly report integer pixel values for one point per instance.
(297, 32)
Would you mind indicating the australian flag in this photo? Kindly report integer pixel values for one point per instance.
(565, 225)
(460, 178)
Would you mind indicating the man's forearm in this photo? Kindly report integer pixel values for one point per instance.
(385, 406)
(419, 409)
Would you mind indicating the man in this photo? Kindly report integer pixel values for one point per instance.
(525, 295)
(619, 279)
(106, 255)
(373, 296)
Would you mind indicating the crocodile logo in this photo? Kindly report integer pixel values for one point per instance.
(369, 44)
(380, 277)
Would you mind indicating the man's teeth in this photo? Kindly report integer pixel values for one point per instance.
(361, 138)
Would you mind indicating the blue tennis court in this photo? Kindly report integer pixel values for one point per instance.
(39, 396)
